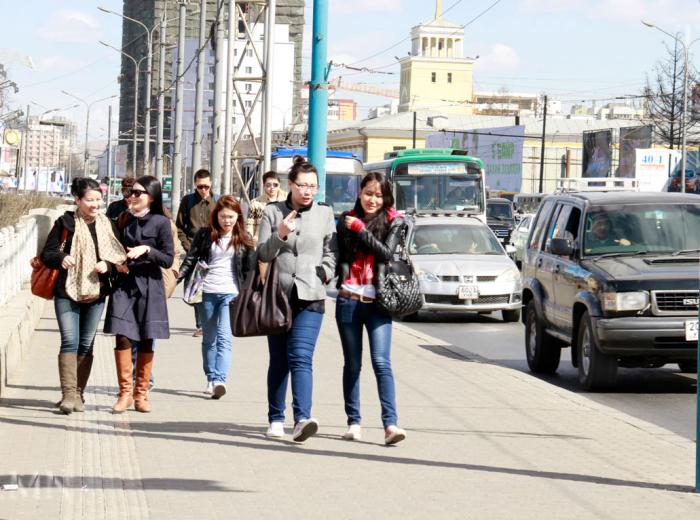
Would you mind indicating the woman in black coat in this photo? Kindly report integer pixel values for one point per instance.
(137, 309)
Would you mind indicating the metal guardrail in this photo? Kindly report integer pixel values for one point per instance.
(18, 245)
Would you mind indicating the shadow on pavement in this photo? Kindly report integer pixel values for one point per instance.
(163, 430)
(37, 481)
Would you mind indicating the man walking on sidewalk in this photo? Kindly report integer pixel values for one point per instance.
(193, 214)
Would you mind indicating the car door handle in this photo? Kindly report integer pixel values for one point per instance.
(557, 268)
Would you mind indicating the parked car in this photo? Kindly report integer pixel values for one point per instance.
(499, 217)
(519, 238)
(463, 267)
(614, 275)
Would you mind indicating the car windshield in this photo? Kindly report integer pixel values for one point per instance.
(441, 239)
(499, 210)
(341, 192)
(643, 228)
(438, 192)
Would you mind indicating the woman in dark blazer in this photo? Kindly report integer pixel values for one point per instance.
(137, 309)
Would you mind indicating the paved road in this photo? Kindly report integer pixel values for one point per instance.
(661, 396)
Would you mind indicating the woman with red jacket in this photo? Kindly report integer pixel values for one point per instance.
(368, 236)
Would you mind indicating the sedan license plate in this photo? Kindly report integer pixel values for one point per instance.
(468, 292)
(691, 330)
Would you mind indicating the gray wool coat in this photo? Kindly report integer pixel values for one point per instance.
(307, 258)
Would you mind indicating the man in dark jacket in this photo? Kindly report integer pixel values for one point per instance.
(118, 207)
(193, 214)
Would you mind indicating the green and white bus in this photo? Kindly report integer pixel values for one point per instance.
(435, 179)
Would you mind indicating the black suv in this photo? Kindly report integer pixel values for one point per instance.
(499, 217)
(615, 276)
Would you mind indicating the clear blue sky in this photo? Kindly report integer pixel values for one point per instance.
(571, 49)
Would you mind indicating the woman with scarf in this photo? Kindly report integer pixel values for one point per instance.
(137, 309)
(83, 246)
(368, 236)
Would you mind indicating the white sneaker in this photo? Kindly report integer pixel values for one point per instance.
(393, 434)
(219, 390)
(276, 430)
(304, 429)
(354, 433)
(210, 388)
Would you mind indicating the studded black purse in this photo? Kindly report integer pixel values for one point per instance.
(398, 291)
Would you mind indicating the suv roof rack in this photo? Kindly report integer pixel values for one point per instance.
(441, 213)
(597, 184)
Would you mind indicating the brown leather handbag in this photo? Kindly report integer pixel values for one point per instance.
(262, 307)
(44, 278)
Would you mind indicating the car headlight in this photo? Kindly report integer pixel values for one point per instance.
(426, 276)
(511, 275)
(625, 301)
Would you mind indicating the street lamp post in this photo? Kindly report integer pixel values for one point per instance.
(87, 123)
(137, 67)
(686, 50)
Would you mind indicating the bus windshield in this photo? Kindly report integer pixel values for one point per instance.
(430, 192)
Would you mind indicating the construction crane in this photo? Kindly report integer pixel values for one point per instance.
(365, 88)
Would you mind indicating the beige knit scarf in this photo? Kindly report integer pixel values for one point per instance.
(83, 283)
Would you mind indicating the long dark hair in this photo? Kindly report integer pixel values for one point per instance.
(378, 224)
(152, 187)
(239, 235)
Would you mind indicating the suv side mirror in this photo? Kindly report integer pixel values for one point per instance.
(561, 247)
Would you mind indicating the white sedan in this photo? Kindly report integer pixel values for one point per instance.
(462, 266)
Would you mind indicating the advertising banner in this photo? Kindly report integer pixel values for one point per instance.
(654, 167)
(53, 176)
(632, 138)
(501, 150)
(597, 153)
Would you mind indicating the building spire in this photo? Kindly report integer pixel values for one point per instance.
(438, 9)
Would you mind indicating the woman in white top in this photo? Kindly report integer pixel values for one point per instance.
(227, 249)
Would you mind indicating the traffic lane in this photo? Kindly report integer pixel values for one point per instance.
(661, 396)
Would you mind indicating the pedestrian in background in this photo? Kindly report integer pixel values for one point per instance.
(368, 236)
(193, 214)
(271, 193)
(118, 207)
(227, 249)
(137, 309)
(299, 234)
(83, 246)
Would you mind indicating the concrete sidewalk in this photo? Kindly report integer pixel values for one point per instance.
(483, 442)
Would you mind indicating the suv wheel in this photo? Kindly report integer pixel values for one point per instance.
(511, 316)
(688, 367)
(542, 350)
(596, 371)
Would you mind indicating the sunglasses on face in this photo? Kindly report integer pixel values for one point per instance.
(203, 187)
(272, 184)
(136, 193)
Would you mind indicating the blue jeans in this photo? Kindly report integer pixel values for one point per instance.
(351, 316)
(78, 324)
(216, 337)
(292, 352)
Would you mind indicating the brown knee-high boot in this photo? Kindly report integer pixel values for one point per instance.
(144, 365)
(84, 369)
(67, 373)
(125, 369)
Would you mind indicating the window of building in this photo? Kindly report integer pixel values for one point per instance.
(433, 77)
(248, 104)
(235, 52)
(249, 70)
(248, 87)
(449, 77)
(249, 53)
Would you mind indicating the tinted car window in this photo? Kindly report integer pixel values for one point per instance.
(454, 239)
(541, 222)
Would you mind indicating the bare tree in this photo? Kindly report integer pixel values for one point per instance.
(664, 95)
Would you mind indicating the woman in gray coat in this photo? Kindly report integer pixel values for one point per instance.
(300, 235)
(137, 309)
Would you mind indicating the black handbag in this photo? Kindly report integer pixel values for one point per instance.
(398, 291)
(262, 307)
